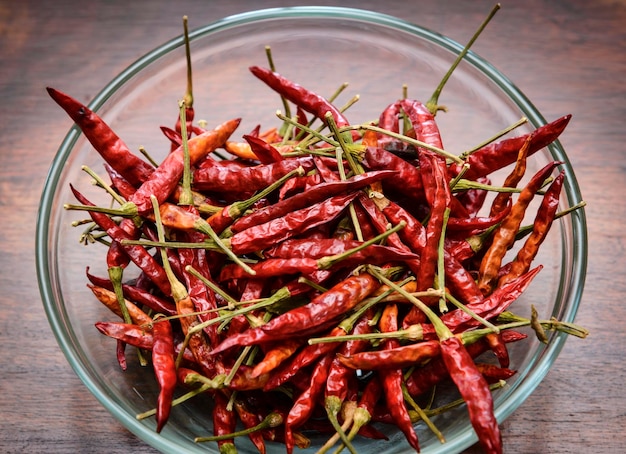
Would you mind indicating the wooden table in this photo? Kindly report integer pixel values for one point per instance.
(568, 57)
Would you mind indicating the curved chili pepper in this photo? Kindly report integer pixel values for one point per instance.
(460, 281)
(475, 391)
(136, 295)
(112, 149)
(164, 369)
(300, 96)
(134, 335)
(261, 236)
(109, 299)
(250, 420)
(224, 423)
(318, 312)
(271, 267)
(301, 200)
(166, 177)
(394, 358)
(304, 404)
(392, 380)
(264, 151)
(222, 178)
(409, 179)
(498, 155)
(541, 226)
(275, 356)
(504, 236)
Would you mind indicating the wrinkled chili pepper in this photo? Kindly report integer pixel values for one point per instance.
(112, 149)
(224, 423)
(392, 379)
(541, 227)
(397, 357)
(165, 178)
(504, 236)
(164, 369)
(475, 391)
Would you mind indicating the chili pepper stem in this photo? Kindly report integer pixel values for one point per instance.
(179, 400)
(115, 275)
(186, 198)
(442, 331)
(432, 103)
(422, 414)
(272, 420)
(203, 226)
(333, 406)
(127, 210)
(517, 124)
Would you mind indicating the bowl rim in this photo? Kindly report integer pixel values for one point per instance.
(547, 352)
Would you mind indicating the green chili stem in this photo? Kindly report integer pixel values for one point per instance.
(186, 198)
(271, 420)
(422, 414)
(179, 400)
(115, 275)
(500, 134)
(214, 287)
(472, 314)
(441, 274)
(189, 92)
(442, 331)
(147, 155)
(100, 182)
(333, 406)
(434, 99)
(210, 245)
(127, 210)
(203, 226)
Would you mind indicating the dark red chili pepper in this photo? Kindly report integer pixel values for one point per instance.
(265, 152)
(318, 312)
(323, 247)
(312, 196)
(218, 177)
(392, 380)
(136, 295)
(388, 120)
(422, 379)
(261, 236)
(109, 299)
(300, 96)
(475, 391)
(134, 335)
(224, 423)
(504, 236)
(469, 225)
(499, 348)
(250, 419)
(494, 374)
(473, 199)
(112, 149)
(166, 177)
(271, 267)
(498, 155)
(163, 362)
(460, 281)
(408, 182)
(541, 226)
(304, 404)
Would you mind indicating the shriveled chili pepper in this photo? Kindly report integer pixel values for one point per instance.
(261, 236)
(271, 267)
(392, 380)
(469, 225)
(106, 142)
(499, 348)
(504, 236)
(318, 312)
(264, 151)
(275, 355)
(501, 200)
(300, 96)
(165, 178)
(224, 424)
(136, 295)
(409, 180)
(109, 299)
(221, 178)
(130, 334)
(314, 195)
(304, 404)
(541, 226)
(498, 155)
(475, 391)
(250, 419)
(460, 281)
(494, 373)
(164, 369)
(397, 357)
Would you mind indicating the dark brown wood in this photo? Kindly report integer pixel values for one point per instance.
(567, 56)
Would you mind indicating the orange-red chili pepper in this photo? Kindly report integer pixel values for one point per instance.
(163, 362)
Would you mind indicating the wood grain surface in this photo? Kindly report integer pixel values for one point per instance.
(567, 56)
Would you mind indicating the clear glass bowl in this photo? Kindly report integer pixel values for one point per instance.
(320, 48)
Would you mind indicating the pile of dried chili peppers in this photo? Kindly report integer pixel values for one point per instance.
(323, 279)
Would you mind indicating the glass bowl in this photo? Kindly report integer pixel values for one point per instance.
(320, 48)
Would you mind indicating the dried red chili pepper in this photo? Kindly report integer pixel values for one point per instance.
(261, 236)
(166, 177)
(224, 424)
(504, 236)
(135, 335)
(541, 227)
(397, 357)
(109, 299)
(475, 391)
(265, 152)
(164, 369)
(318, 312)
(108, 144)
(498, 155)
(392, 379)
